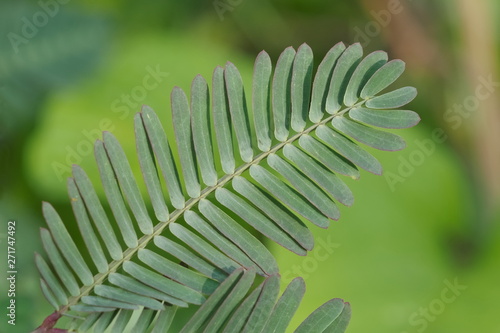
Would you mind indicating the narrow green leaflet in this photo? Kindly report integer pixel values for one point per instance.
(149, 172)
(309, 190)
(328, 157)
(256, 219)
(261, 100)
(238, 110)
(48, 294)
(342, 73)
(103, 322)
(239, 236)
(106, 302)
(322, 318)
(385, 118)
(89, 321)
(177, 273)
(199, 319)
(286, 307)
(162, 283)
(51, 280)
(369, 136)
(114, 195)
(181, 118)
(85, 228)
(230, 301)
(62, 270)
(275, 211)
(281, 96)
(262, 310)
(66, 244)
(200, 121)
(393, 99)
(340, 324)
(240, 316)
(161, 148)
(164, 320)
(134, 286)
(219, 240)
(126, 296)
(143, 321)
(321, 82)
(199, 245)
(349, 150)
(366, 68)
(288, 196)
(127, 182)
(91, 308)
(190, 259)
(95, 209)
(383, 78)
(301, 86)
(322, 176)
(122, 319)
(222, 121)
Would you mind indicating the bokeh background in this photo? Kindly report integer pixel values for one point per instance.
(420, 249)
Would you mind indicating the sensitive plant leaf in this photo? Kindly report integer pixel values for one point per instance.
(296, 178)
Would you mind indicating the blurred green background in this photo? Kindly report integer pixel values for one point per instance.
(418, 252)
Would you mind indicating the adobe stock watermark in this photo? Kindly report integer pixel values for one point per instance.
(32, 25)
(122, 105)
(322, 251)
(424, 316)
(223, 6)
(455, 116)
(381, 19)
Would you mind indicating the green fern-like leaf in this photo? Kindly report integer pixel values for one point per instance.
(295, 145)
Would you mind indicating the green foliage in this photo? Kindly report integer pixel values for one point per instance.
(281, 175)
